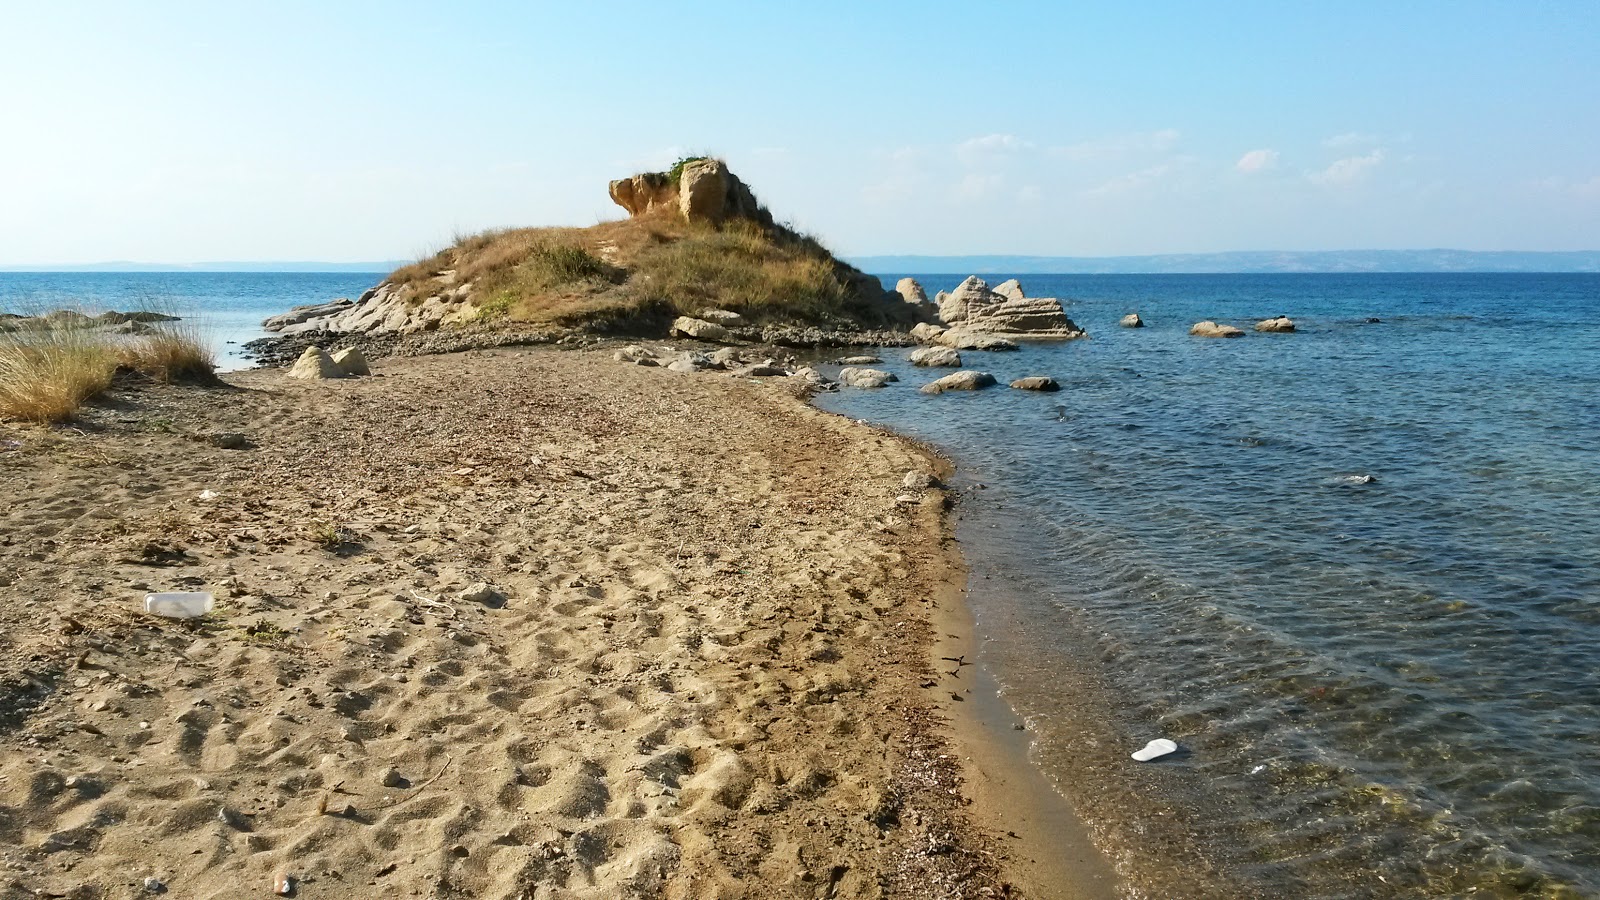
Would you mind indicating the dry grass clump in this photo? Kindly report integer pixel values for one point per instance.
(47, 372)
(45, 375)
(170, 354)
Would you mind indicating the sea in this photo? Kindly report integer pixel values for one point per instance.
(225, 307)
(1353, 572)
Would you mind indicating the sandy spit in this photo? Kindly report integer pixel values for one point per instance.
(501, 624)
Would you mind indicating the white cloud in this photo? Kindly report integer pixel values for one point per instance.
(975, 151)
(1120, 145)
(1350, 139)
(1257, 161)
(1132, 181)
(1349, 170)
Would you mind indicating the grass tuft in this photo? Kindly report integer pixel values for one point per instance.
(170, 353)
(46, 374)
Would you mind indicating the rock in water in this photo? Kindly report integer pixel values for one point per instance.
(315, 363)
(1209, 328)
(960, 381)
(965, 338)
(351, 361)
(1131, 320)
(699, 329)
(975, 307)
(865, 378)
(1279, 325)
(935, 356)
(1036, 383)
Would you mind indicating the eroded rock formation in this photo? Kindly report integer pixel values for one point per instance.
(974, 307)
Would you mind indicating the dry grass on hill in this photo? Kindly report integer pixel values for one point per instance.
(648, 267)
(46, 374)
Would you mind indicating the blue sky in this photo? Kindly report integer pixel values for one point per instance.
(175, 132)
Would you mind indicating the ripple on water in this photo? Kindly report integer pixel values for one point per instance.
(1386, 687)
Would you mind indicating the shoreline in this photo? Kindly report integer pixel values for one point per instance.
(102, 734)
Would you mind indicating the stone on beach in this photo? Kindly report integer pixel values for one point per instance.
(315, 364)
(699, 329)
(935, 357)
(1036, 383)
(967, 380)
(1209, 328)
(1131, 320)
(865, 378)
(1277, 325)
(351, 361)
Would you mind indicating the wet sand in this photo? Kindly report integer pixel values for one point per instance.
(514, 623)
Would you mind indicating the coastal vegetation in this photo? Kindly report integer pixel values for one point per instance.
(652, 267)
(50, 366)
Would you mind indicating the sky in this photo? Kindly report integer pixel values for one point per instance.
(339, 131)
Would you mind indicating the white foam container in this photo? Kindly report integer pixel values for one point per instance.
(179, 604)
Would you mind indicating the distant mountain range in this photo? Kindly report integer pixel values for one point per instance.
(1241, 262)
(285, 266)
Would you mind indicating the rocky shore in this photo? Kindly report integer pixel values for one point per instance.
(506, 623)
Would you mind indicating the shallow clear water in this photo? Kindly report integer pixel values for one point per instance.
(229, 306)
(1385, 688)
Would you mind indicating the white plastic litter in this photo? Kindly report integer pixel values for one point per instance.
(179, 604)
(1155, 750)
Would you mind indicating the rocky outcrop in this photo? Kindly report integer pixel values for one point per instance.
(1131, 320)
(1036, 383)
(974, 307)
(700, 329)
(934, 357)
(960, 381)
(301, 314)
(314, 365)
(865, 378)
(911, 291)
(1209, 328)
(1279, 325)
(644, 193)
(708, 192)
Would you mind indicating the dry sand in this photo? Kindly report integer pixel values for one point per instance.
(705, 669)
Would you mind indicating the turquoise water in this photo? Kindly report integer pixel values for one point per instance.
(228, 305)
(1381, 689)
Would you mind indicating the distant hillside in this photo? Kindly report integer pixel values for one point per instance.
(256, 266)
(1242, 262)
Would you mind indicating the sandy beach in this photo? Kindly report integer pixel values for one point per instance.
(504, 623)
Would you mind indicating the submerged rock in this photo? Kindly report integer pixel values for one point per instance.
(1209, 328)
(960, 381)
(865, 378)
(1036, 383)
(935, 357)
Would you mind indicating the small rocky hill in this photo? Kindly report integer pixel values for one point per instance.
(695, 239)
